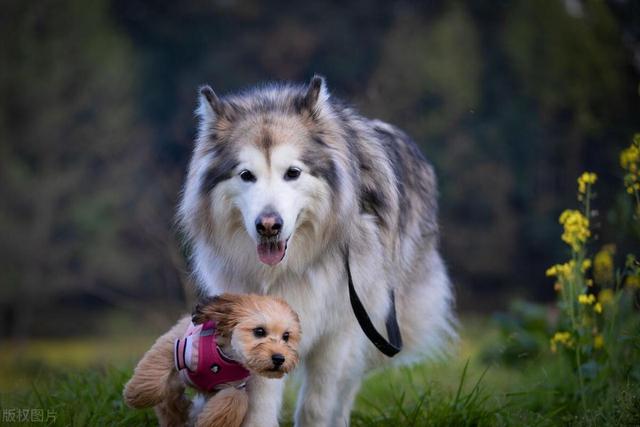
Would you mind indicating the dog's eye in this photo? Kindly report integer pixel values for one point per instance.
(247, 176)
(285, 336)
(259, 333)
(292, 173)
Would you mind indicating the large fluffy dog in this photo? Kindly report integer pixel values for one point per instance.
(283, 181)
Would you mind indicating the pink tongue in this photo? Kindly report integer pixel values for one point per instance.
(271, 253)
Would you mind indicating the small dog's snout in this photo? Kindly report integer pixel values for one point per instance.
(277, 359)
(268, 224)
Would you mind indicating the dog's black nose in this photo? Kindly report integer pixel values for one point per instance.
(277, 359)
(268, 224)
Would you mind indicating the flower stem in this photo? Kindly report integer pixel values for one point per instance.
(580, 379)
(587, 203)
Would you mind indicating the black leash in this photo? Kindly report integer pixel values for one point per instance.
(394, 345)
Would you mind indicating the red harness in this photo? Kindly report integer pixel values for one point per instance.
(200, 361)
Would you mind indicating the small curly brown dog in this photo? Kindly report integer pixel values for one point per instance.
(249, 331)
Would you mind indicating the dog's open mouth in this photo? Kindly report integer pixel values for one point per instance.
(271, 251)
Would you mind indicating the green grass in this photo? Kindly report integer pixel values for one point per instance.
(88, 398)
(77, 380)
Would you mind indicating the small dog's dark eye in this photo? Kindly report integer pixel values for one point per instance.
(291, 174)
(247, 176)
(259, 332)
(285, 336)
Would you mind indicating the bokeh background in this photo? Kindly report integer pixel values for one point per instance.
(510, 100)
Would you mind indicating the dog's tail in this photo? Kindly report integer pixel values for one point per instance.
(227, 408)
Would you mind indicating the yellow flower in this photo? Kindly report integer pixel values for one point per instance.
(597, 308)
(629, 157)
(632, 282)
(603, 265)
(576, 228)
(587, 178)
(605, 296)
(561, 271)
(598, 341)
(630, 162)
(564, 272)
(560, 338)
(586, 299)
(586, 264)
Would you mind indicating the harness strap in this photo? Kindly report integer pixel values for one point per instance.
(388, 348)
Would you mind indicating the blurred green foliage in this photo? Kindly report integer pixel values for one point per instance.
(510, 100)
(523, 334)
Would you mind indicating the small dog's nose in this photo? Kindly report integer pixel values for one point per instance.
(277, 359)
(268, 224)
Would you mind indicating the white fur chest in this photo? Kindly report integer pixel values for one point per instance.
(320, 296)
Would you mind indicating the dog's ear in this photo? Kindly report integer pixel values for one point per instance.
(210, 105)
(201, 313)
(315, 96)
(214, 114)
(224, 309)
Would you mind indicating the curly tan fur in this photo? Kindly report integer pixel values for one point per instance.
(173, 411)
(155, 378)
(226, 409)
